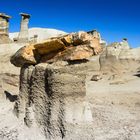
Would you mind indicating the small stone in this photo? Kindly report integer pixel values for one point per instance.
(96, 78)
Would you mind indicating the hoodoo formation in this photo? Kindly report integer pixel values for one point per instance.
(24, 34)
(4, 28)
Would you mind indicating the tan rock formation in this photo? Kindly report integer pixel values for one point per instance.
(53, 98)
(117, 48)
(23, 34)
(4, 29)
(49, 46)
(80, 52)
(24, 55)
(74, 46)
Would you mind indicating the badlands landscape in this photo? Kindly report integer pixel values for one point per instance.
(72, 86)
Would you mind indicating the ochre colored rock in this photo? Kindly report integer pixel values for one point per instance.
(25, 55)
(80, 52)
(32, 53)
(74, 46)
(95, 44)
(49, 46)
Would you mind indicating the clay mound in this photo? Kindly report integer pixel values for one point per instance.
(109, 63)
(42, 33)
(133, 54)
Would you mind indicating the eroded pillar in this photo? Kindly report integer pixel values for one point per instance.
(4, 28)
(24, 34)
(55, 99)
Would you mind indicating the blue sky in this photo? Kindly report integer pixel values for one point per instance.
(114, 19)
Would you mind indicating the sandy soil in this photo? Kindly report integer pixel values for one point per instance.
(115, 105)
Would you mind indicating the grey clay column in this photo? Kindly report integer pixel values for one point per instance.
(23, 34)
(4, 28)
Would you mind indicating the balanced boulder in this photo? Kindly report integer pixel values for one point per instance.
(74, 46)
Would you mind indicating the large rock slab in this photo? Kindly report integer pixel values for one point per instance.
(25, 55)
(69, 45)
(81, 52)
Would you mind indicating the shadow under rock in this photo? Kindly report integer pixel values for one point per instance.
(138, 75)
(12, 98)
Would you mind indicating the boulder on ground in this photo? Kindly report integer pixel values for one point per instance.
(96, 78)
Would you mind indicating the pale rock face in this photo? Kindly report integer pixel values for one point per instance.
(124, 45)
(42, 34)
(130, 54)
(4, 29)
(23, 34)
(24, 55)
(96, 34)
(4, 24)
(116, 48)
(48, 46)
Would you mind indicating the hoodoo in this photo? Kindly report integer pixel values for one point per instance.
(4, 28)
(24, 34)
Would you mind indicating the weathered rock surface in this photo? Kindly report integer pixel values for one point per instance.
(70, 45)
(80, 52)
(133, 54)
(119, 58)
(121, 50)
(52, 98)
(117, 47)
(4, 39)
(4, 29)
(24, 55)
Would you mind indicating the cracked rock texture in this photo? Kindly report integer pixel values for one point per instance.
(53, 98)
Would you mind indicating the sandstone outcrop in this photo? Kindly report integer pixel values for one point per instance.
(118, 57)
(117, 47)
(76, 46)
